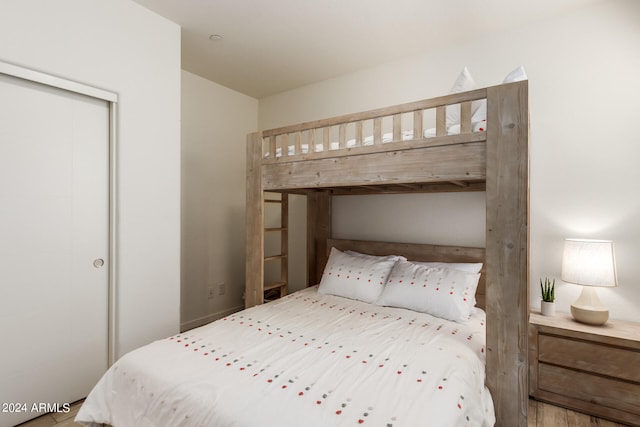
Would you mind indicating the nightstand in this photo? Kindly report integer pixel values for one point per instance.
(591, 369)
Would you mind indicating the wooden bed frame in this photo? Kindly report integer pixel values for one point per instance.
(495, 161)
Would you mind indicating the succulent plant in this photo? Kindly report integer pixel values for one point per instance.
(548, 289)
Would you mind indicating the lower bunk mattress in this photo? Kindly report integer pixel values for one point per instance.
(304, 360)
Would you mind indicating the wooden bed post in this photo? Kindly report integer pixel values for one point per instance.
(318, 232)
(507, 246)
(254, 274)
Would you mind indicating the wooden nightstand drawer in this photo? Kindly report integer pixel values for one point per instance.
(594, 389)
(591, 357)
(591, 369)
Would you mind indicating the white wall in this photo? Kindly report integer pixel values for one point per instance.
(584, 85)
(215, 122)
(119, 46)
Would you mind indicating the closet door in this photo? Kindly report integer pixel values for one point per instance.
(54, 247)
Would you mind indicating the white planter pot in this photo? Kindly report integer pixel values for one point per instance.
(548, 308)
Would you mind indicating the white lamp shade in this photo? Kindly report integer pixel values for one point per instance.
(589, 262)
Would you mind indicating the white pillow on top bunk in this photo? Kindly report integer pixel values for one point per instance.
(463, 83)
(516, 75)
(442, 292)
(359, 277)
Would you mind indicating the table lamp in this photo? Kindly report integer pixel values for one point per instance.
(589, 263)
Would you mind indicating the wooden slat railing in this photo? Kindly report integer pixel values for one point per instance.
(298, 142)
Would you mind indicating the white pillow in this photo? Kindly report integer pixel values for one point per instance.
(359, 277)
(463, 83)
(469, 267)
(441, 292)
(515, 76)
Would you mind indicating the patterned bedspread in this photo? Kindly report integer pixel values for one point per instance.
(304, 360)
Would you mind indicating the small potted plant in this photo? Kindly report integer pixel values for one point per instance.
(547, 288)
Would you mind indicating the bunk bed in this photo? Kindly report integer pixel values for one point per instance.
(396, 150)
(315, 359)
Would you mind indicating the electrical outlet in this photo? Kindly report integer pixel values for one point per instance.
(222, 289)
(211, 292)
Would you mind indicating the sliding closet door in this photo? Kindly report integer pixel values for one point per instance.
(54, 247)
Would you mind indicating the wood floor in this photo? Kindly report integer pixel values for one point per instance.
(540, 415)
(544, 415)
(56, 419)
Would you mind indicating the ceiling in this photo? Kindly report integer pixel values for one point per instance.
(269, 46)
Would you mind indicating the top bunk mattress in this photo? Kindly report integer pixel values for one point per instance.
(305, 359)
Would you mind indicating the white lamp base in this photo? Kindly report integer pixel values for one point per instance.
(588, 308)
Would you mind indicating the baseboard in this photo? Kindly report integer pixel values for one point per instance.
(185, 326)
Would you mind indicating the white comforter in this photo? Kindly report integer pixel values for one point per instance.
(304, 360)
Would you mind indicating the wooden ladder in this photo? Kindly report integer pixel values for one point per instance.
(279, 288)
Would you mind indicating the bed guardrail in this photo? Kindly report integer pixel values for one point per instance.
(450, 119)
